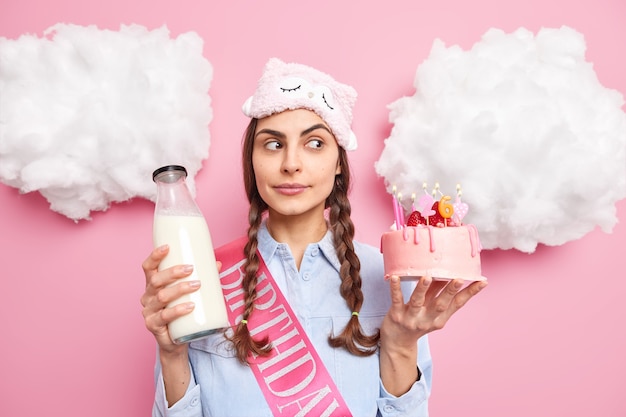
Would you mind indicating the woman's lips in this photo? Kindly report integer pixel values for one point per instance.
(290, 189)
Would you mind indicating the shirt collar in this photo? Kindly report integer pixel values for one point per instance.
(268, 246)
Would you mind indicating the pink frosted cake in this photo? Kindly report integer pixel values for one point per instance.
(434, 241)
(442, 252)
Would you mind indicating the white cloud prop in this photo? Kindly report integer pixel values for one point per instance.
(523, 124)
(86, 115)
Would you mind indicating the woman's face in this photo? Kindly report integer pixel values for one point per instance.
(295, 160)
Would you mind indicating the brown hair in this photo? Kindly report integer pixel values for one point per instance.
(352, 337)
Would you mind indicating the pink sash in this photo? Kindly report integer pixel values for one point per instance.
(293, 378)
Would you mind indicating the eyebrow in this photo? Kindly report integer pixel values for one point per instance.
(315, 127)
(304, 132)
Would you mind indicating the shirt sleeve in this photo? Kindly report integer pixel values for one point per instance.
(188, 406)
(413, 403)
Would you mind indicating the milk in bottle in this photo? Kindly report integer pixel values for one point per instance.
(179, 223)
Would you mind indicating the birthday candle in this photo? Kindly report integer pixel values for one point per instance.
(400, 209)
(460, 208)
(396, 213)
(445, 208)
(425, 203)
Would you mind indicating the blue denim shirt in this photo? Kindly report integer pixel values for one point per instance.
(222, 387)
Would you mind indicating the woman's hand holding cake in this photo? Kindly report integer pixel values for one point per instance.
(435, 248)
(429, 308)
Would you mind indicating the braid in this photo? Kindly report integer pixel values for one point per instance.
(352, 337)
(243, 342)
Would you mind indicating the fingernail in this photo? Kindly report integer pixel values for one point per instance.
(163, 248)
(395, 278)
(458, 285)
(189, 306)
(187, 268)
(194, 284)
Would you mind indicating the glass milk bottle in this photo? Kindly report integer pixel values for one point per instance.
(179, 223)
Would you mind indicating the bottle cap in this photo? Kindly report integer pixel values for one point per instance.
(168, 168)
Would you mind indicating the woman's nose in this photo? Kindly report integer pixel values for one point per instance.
(291, 161)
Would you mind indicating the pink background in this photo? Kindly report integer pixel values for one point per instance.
(545, 339)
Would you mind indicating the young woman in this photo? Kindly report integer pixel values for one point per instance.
(363, 336)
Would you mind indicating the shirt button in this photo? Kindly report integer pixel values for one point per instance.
(315, 251)
(389, 409)
(194, 401)
(306, 276)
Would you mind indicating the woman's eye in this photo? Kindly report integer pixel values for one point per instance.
(273, 145)
(315, 144)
